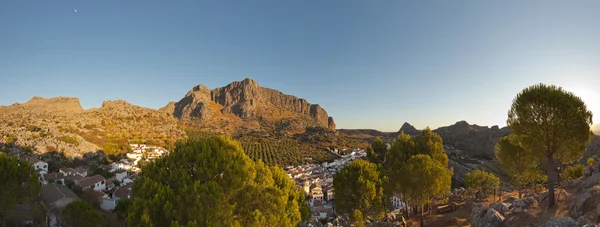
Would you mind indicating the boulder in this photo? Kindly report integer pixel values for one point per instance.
(521, 220)
(483, 216)
(543, 196)
(582, 221)
(500, 207)
(587, 172)
(598, 209)
(560, 222)
(577, 209)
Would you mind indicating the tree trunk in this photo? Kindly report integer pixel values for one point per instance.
(422, 224)
(550, 171)
(520, 194)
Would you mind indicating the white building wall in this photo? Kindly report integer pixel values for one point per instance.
(107, 203)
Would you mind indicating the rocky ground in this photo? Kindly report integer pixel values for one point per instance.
(578, 204)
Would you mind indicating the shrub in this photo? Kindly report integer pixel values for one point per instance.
(590, 161)
(51, 149)
(68, 139)
(574, 172)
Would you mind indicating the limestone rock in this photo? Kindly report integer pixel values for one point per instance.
(246, 100)
(483, 216)
(523, 219)
(560, 222)
(500, 207)
(580, 202)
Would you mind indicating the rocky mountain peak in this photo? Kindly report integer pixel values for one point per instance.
(246, 100)
(408, 129)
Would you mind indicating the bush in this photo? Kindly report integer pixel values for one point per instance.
(33, 128)
(68, 139)
(51, 149)
(590, 161)
(574, 172)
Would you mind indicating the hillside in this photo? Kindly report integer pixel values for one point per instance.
(468, 146)
(61, 124)
(248, 106)
(257, 116)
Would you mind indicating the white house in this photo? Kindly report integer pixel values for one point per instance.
(96, 182)
(316, 194)
(55, 177)
(397, 201)
(120, 175)
(72, 172)
(330, 194)
(134, 155)
(38, 165)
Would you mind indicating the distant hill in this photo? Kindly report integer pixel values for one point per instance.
(61, 124)
(474, 140)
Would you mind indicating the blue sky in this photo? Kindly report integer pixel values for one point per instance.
(370, 64)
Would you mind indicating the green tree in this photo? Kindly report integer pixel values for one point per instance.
(482, 181)
(519, 163)
(211, 182)
(553, 124)
(406, 147)
(424, 178)
(430, 143)
(122, 208)
(402, 149)
(79, 213)
(19, 184)
(359, 190)
(376, 152)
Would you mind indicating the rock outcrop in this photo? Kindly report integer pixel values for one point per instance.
(560, 222)
(483, 216)
(246, 100)
(473, 140)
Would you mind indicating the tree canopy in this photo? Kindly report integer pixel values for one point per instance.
(376, 152)
(405, 147)
(80, 213)
(19, 183)
(359, 190)
(482, 181)
(123, 206)
(553, 124)
(521, 164)
(211, 182)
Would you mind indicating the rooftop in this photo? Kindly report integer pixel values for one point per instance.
(89, 181)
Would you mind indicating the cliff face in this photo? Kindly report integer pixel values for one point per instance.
(246, 100)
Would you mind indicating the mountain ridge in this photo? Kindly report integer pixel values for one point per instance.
(247, 101)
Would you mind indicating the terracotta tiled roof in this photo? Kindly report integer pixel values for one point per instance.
(122, 193)
(89, 181)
